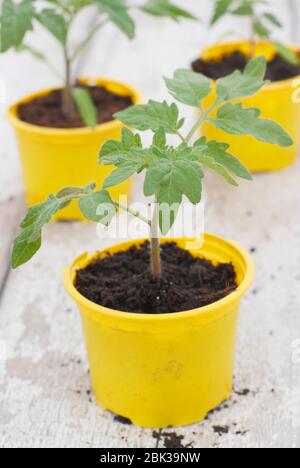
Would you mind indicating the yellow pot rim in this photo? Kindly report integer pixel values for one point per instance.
(273, 86)
(95, 309)
(47, 131)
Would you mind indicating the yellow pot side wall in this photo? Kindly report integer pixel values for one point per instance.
(275, 102)
(55, 158)
(167, 369)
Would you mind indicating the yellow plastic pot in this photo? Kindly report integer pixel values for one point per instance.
(167, 369)
(274, 101)
(56, 158)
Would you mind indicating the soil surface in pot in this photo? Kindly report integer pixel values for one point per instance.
(46, 111)
(277, 69)
(124, 281)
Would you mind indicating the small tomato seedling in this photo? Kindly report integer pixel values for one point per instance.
(17, 18)
(171, 172)
(261, 23)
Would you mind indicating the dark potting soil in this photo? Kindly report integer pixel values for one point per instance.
(46, 111)
(169, 439)
(124, 281)
(277, 69)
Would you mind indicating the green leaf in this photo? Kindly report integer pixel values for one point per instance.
(28, 242)
(16, 20)
(188, 179)
(123, 172)
(218, 151)
(287, 54)
(234, 119)
(218, 168)
(246, 9)
(179, 176)
(152, 116)
(188, 87)
(273, 19)
(98, 207)
(75, 191)
(261, 29)
(54, 23)
(169, 199)
(165, 8)
(117, 11)
(85, 106)
(155, 175)
(221, 8)
(159, 139)
(117, 152)
(24, 251)
(239, 85)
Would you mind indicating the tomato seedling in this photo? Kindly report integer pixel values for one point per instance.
(171, 172)
(57, 17)
(262, 21)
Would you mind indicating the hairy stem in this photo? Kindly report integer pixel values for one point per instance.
(134, 213)
(155, 246)
(154, 236)
(68, 106)
(199, 122)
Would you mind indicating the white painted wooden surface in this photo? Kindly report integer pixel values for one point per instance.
(44, 383)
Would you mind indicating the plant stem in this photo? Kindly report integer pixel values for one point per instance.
(88, 38)
(68, 106)
(201, 119)
(154, 236)
(155, 246)
(136, 214)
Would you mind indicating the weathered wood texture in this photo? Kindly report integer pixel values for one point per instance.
(44, 383)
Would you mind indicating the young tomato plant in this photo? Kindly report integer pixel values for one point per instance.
(171, 172)
(17, 18)
(260, 23)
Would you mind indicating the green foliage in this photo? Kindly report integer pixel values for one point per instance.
(189, 88)
(29, 240)
(221, 8)
(17, 17)
(239, 85)
(54, 23)
(97, 206)
(171, 172)
(152, 116)
(85, 106)
(118, 13)
(234, 119)
(165, 8)
(262, 22)
(16, 20)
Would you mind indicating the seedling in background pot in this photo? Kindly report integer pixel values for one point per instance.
(57, 17)
(262, 21)
(171, 172)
